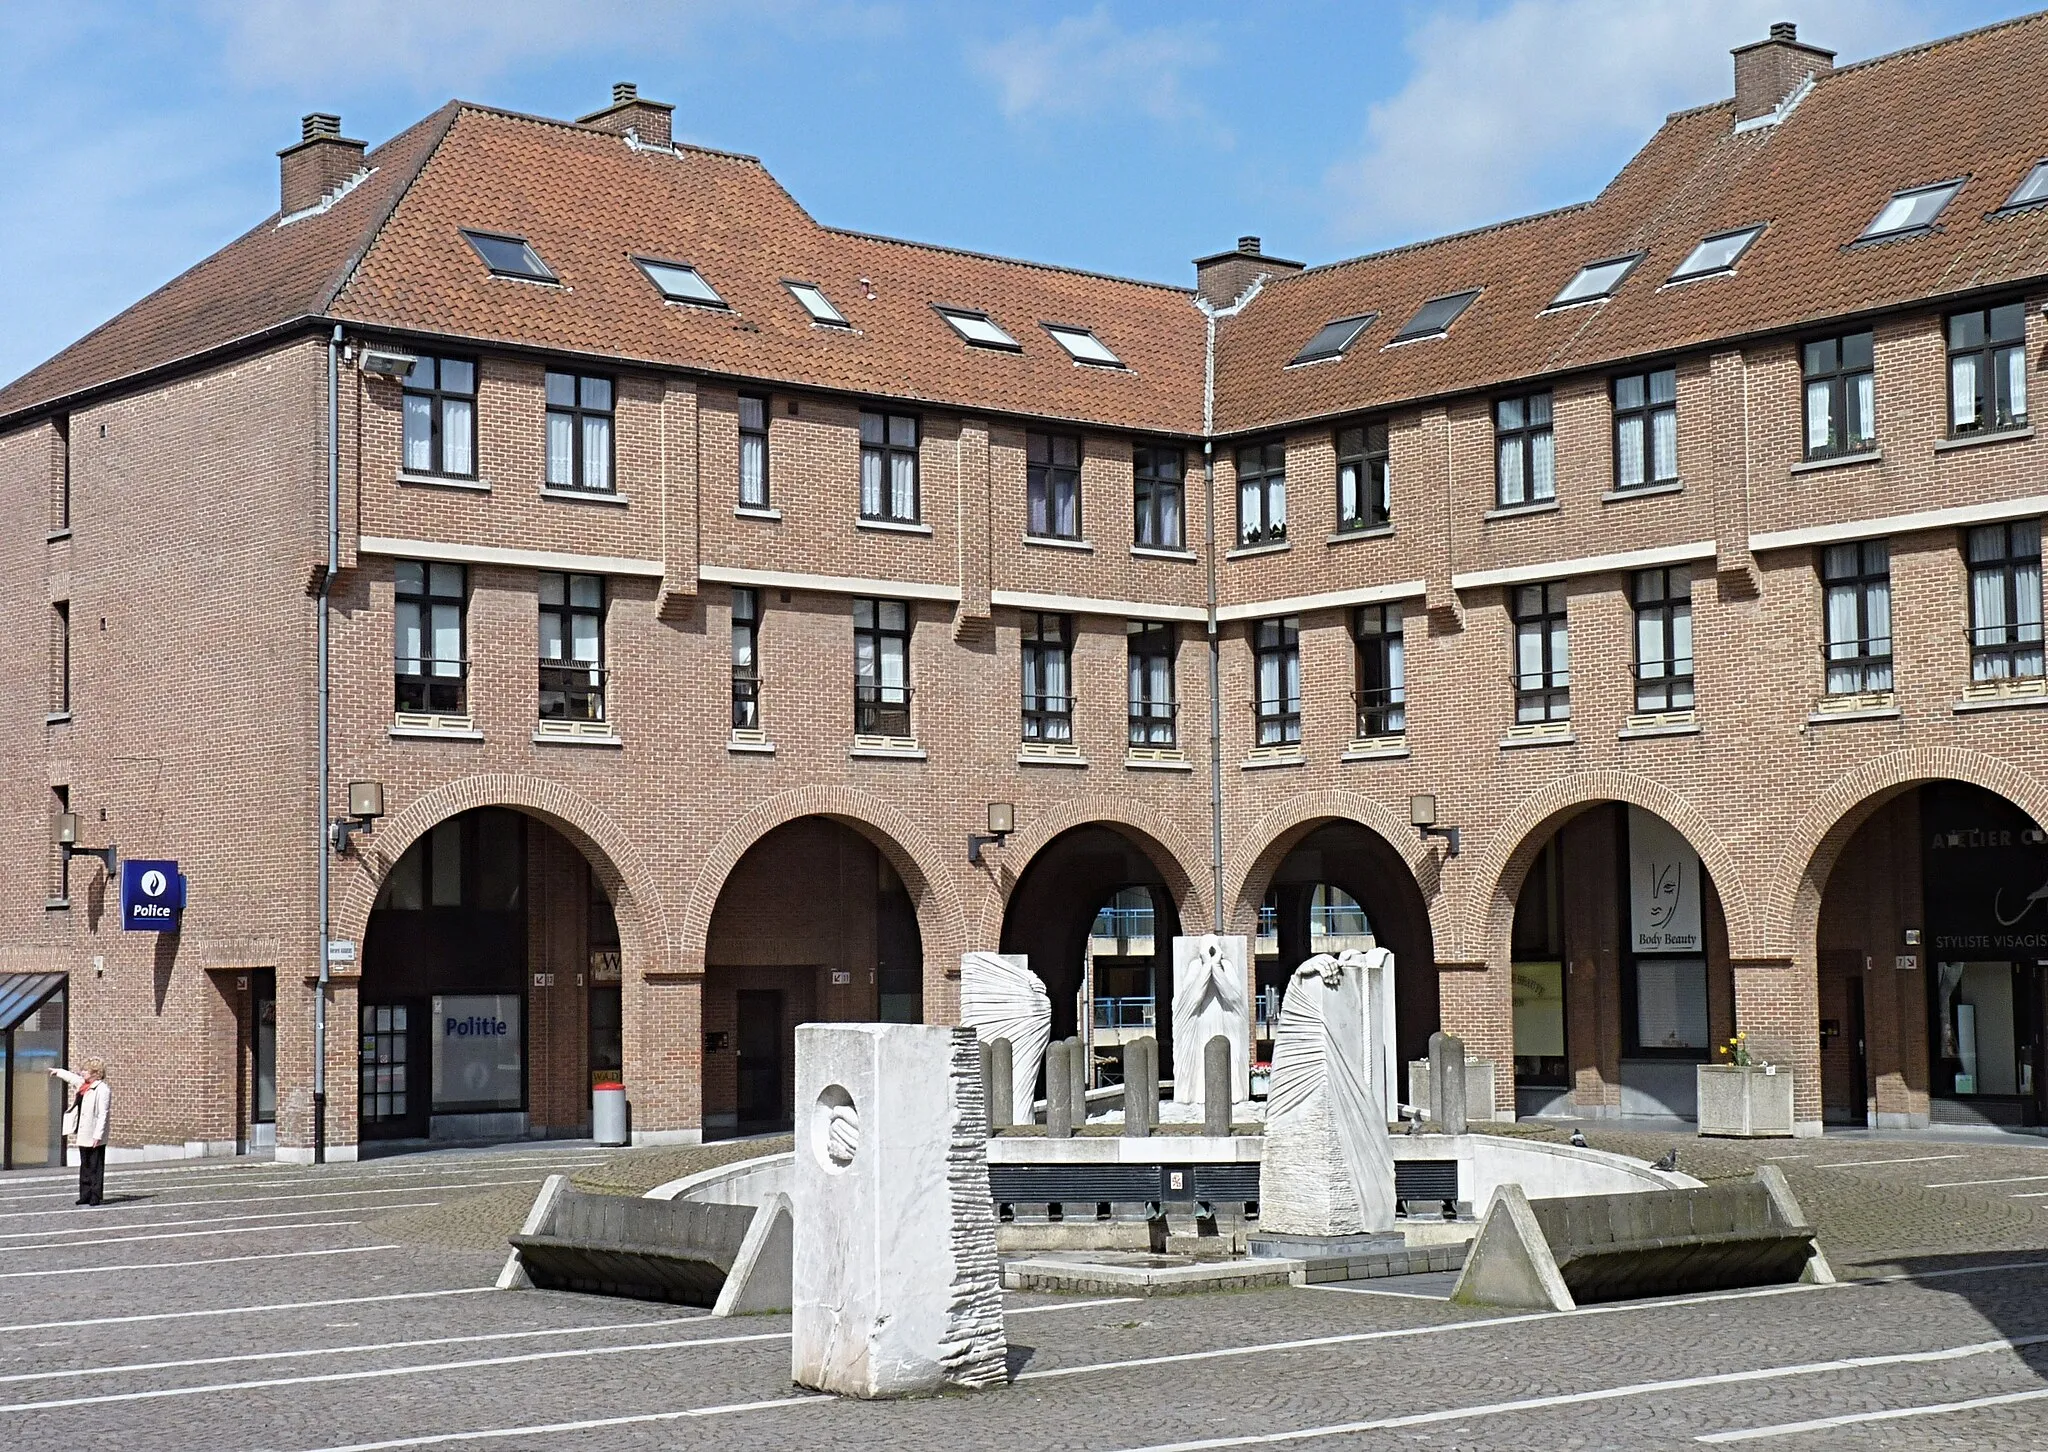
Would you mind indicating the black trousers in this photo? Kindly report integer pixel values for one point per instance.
(92, 1173)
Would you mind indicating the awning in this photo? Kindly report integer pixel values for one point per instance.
(21, 994)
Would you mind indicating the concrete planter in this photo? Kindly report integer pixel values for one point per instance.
(1745, 1103)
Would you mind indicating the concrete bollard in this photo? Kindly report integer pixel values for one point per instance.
(988, 1090)
(1001, 1108)
(1447, 1083)
(1216, 1085)
(1059, 1089)
(1077, 1075)
(1141, 1087)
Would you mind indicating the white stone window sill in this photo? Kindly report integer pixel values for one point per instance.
(1513, 742)
(1517, 511)
(905, 750)
(1051, 758)
(1263, 547)
(756, 511)
(436, 733)
(1376, 748)
(1999, 703)
(1864, 713)
(1838, 461)
(445, 481)
(1056, 542)
(893, 526)
(753, 745)
(1643, 491)
(57, 718)
(1371, 531)
(1278, 758)
(1155, 552)
(56, 535)
(586, 496)
(564, 738)
(1970, 441)
(56, 904)
(1163, 761)
(1668, 723)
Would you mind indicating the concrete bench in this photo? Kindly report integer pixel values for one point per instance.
(1557, 1253)
(732, 1258)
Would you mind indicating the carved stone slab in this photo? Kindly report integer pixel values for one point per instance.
(1211, 995)
(1002, 998)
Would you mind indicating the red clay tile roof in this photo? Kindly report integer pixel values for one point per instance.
(1971, 106)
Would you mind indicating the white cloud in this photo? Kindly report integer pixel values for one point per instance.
(1500, 110)
(1087, 65)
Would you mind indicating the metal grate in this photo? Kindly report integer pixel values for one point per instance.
(1425, 1180)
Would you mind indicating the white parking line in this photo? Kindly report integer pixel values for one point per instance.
(1904, 1160)
(382, 1372)
(441, 1438)
(246, 1310)
(262, 1175)
(1850, 1419)
(1069, 1306)
(2006, 1180)
(1375, 1291)
(211, 1200)
(187, 1234)
(150, 1265)
(1604, 1394)
(194, 1220)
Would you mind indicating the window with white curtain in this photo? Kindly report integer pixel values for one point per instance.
(881, 668)
(2005, 601)
(1046, 650)
(427, 656)
(1663, 609)
(571, 647)
(440, 417)
(1841, 395)
(1526, 449)
(1987, 369)
(1052, 485)
(579, 432)
(1152, 706)
(1156, 473)
(1856, 580)
(753, 451)
(1276, 656)
(1543, 659)
(1646, 429)
(888, 467)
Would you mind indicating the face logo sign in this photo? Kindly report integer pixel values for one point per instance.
(1666, 890)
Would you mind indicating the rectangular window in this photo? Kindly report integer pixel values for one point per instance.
(1646, 429)
(1276, 659)
(1262, 493)
(1152, 706)
(440, 417)
(1527, 467)
(2005, 601)
(60, 805)
(888, 467)
(753, 451)
(429, 663)
(1047, 643)
(1052, 485)
(1856, 583)
(881, 668)
(1987, 370)
(746, 660)
(1364, 488)
(1841, 396)
(1543, 658)
(571, 647)
(60, 658)
(579, 432)
(1663, 601)
(1157, 479)
(1382, 671)
(60, 480)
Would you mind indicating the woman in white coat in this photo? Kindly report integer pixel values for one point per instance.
(85, 1125)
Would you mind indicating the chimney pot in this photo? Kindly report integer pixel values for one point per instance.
(652, 121)
(1784, 30)
(1221, 280)
(1769, 70)
(624, 91)
(1248, 244)
(319, 123)
(321, 161)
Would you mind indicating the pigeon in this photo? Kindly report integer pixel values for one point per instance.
(1578, 1139)
(1668, 1162)
(1415, 1125)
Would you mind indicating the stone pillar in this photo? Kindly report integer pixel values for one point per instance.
(1447, 1083)
(1000, 1084)
(1004, 999)
(1077, 1078)
(1211, 996)
(894, 1282)
(1216, 1086)
(1059, 1090)
(1141, 1086)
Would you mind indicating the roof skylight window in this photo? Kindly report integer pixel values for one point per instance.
(1083, 346)
(2032, 191)
(1332, 339)
(680, 282)
(814, 302)
(1718, 253)
(1912, 211)
(980, 329)
(509, 256)
(1597, 280)
(1434, 318)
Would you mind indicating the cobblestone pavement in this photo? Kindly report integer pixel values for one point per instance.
(250, 1306)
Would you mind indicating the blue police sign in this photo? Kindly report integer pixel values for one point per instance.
(152, 895)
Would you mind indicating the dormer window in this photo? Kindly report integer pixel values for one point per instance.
(2031, 192)
(813, 301)
(1332, 339)
(1597, 280)
(679, 282)
(1434, 318)
(979, 329)
(1911, 212)
(1083, 346)
(509, 256)
(1717, 254)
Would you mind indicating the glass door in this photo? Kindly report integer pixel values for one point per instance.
(391, 1072)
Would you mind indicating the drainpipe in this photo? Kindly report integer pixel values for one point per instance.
(326, 592)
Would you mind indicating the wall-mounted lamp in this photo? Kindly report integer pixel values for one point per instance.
(386, 362)
(1002, 821)
(365, 806)
(67, 846)
(1912, 937)
(1422, 816)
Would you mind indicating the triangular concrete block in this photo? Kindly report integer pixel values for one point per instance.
(1510, 1263)
(759, 1278)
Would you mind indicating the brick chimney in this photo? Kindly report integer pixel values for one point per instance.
(1767, 71)
(651, 121)
(1222, 279)
(322, 161)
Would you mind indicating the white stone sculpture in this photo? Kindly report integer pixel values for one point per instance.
(1003, 999)
(894, 1282)
(1382, 1053)
(1211, 995)
(1328, 1169)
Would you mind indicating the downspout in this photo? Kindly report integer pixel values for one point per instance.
(326, 593)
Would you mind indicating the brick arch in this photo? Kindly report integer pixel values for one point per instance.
(941, 920)
(1818, 842)
(1276, 834)
(636, 900)
(1497, 875)
(1183, 867)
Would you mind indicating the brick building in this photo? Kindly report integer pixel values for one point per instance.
(701, 574)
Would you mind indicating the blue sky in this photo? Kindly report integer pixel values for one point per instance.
(137, 137)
